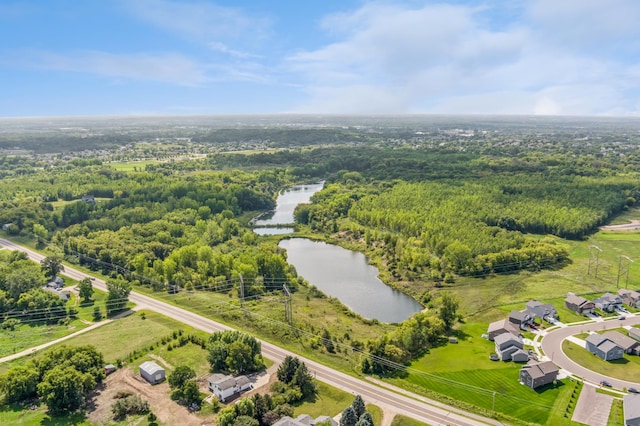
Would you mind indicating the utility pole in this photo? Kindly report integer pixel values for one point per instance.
(594, 253)
(493, 405)
(241, 291)
(623, 269)
(288, 311)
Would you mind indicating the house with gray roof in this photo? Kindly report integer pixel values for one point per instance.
(506, 345)
(608, 302)
(579, 304)
(541, 310)
(536, 374)
(627, 344)
(629, 297)
(502, 326)
(224, 386)
(631, 407)
(603, 347)
(634, 333)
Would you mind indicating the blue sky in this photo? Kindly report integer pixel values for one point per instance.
(115, 57)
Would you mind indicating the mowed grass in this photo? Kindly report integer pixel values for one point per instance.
(376, 413)
(627, 368)
(130, 166)
(120, 337)
(463, 372)
(29, 334)
(329, 401)
(400, 420)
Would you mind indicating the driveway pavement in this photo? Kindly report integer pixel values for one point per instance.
(592, 408)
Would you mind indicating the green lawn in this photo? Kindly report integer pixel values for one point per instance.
(400, 420)
(17, 415)
(464, 373)
(329, 401)
(627, 368)
(616, 415)
(27, 335)
(376, 413)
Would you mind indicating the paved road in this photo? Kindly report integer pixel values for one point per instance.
(552, 347)
(416, 407)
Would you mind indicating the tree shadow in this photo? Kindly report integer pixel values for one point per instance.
(64, 419)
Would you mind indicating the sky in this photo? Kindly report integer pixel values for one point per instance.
(132, 57)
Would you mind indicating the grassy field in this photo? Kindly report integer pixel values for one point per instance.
(464, 373)
(329, 401)
(627, 368)
(17, 415)
(118, 338)
(130, 166)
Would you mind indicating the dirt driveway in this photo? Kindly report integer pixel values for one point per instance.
(124, 380)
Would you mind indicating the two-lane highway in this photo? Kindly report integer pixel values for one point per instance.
(419, 408)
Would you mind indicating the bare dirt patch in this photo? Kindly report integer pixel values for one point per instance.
(633, 226)
(124, 380)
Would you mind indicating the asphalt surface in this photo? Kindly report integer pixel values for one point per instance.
(416, 407)
(552, 346)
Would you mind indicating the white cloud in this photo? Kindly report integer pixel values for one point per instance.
(202, 21)
(448, 58)
(170, 67)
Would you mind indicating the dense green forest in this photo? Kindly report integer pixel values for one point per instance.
(429, 201)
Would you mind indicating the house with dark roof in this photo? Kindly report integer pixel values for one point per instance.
(536, 374)
(631, 407)
(520, 318)
(541, 310)
(603, 347)
(629, 297)
(634, 333)
(628, 345)
(506, 345)
(502, 326)
(579, 304)
(608, 302)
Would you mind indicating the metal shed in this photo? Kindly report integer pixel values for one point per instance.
(152, 372)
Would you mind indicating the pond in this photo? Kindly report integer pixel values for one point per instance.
(347, 276)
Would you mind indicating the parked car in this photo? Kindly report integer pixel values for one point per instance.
(622, 317)
(605, 383)
(633, 390)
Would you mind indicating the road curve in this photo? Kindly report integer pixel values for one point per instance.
(552, 347)
(433, 413)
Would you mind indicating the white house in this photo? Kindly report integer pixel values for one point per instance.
(224, 387)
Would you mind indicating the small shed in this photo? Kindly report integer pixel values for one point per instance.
(152, 372)
(108, 369)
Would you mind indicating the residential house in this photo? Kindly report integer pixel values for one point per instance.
(536, 374)
(520, 356)
(304, 420)
(634, 333)
(152, 372)
(224, 387)
(579, 304)
(502, 326)
(603, 347)
(631, 407)
(520, 318)
(629, 297)
(628, 345)
(89, 199)
(541, 310)
(608, 302)
(506, 345)
(56, 283)
(65, 295)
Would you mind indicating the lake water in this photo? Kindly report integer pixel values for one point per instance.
(347, 276)
(287, 202)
